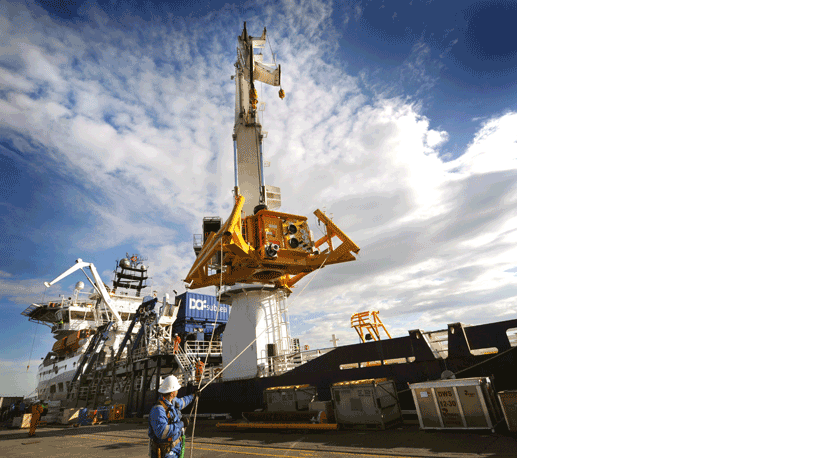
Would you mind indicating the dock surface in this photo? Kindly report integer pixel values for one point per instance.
(129, 439)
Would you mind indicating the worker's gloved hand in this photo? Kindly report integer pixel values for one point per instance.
(185, 421)
(196, 394)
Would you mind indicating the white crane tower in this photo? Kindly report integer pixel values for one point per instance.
(255, 309)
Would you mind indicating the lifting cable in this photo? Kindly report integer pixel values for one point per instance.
(34, 339)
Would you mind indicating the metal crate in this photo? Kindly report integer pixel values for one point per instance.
(289, 398)
(366, 404)
(468, 403)
(507, 400)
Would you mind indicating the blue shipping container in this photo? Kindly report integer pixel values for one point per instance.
(188, 327)
(201, 308)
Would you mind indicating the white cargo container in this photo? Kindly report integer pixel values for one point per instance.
(468, 403)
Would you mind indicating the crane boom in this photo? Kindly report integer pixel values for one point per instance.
(97, 283)
(247, 133)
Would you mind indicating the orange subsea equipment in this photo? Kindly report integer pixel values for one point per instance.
(268, 247)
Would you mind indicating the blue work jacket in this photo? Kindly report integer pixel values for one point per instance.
(160, 429)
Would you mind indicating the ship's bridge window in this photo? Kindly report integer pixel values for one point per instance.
(53, 388)
(60, 387)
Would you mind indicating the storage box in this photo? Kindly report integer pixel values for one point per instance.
(117, 412)
(507, 400)
(366, 404)
(468, 403)
(289, 398)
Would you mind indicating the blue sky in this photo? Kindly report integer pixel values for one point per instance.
(400, 120)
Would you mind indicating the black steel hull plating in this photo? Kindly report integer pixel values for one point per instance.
(247, 395)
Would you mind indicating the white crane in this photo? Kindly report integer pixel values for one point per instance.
(96, 283)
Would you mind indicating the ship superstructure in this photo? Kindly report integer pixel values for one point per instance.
(75, 320)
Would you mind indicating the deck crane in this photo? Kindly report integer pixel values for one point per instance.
(96, 282)
(258, 251)
(260, 245)
(107, 338)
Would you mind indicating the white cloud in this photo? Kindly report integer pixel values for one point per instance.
(493, 149)
(435, 138)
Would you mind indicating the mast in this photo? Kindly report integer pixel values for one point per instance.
(247, 133)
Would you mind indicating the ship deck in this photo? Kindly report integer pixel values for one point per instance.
(128, 438)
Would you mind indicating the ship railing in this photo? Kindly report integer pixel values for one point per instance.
(143, 353)
(437, 341)
(202, 348)
(140, 353)
(279, 364)
(309, 355)
(74, 325)
(209, 373)
(83, 301)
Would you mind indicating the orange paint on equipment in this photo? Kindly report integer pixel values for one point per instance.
(268, 248)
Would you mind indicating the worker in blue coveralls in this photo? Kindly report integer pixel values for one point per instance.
(167, 426)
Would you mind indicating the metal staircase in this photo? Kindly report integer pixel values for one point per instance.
(186, 364)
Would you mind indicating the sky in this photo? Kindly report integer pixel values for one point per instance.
(400, 120)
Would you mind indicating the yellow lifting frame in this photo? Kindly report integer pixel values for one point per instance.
(243, 263)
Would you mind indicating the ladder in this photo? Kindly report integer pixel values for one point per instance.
(272, 321)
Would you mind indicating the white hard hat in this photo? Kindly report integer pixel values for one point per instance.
(169, 384)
